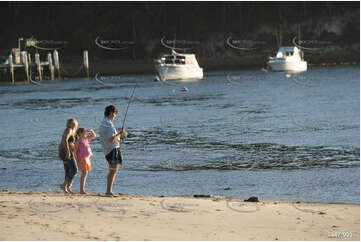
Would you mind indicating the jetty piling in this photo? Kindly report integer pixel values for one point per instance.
(38, 66)
(30, 63)
(57, 63)
(24, 59)
(86, 63)
(11, 69)
(50, 66)
(31, 69)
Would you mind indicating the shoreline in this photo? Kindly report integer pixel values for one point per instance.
(55, 216)
(143, 67)
(195, 196)
(108, 67)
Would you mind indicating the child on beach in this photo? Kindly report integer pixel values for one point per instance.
(67, 154)
(83, 154)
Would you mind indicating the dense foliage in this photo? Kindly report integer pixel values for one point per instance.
(145, 23)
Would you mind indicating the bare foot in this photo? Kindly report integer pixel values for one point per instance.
(110, 194)
(62, 187)
(69, 190)
(85, 193)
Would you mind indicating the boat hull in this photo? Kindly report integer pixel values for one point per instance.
(288, 66)
(176, 72)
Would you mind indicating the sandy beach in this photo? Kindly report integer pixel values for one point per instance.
(55, 216)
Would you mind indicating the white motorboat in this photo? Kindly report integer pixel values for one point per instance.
(178, 66)
(288, 58)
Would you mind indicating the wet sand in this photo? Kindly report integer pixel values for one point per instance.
(55, 216)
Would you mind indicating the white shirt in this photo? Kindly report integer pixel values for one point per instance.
(107, 131)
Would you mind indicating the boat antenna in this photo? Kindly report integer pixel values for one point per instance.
(280, 38)
(175, 38)
(299, 34)
(126, 111)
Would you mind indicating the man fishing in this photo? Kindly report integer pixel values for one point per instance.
(110, 141)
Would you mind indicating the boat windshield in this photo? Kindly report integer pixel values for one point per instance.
(284, 54)
(171, 59)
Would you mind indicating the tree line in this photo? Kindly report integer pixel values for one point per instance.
(140, 25)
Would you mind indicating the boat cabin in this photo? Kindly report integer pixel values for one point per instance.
(180, 59)
(171, 59)
(289, 51)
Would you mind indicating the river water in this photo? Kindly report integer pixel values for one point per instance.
(239, 133)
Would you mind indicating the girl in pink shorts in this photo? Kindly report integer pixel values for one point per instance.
(83, 154)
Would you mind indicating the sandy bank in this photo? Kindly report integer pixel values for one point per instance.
(55, 216)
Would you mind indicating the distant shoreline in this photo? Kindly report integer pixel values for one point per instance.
(115, 67)
(129, 67)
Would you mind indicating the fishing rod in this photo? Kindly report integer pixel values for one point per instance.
(126, 111)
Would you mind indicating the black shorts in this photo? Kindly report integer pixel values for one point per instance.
(114, 157)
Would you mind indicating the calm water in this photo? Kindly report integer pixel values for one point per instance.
(276, 136)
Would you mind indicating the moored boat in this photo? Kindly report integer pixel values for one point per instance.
(288, 58)
(178, 66)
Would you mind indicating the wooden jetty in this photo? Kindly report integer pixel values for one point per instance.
(19, 65)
